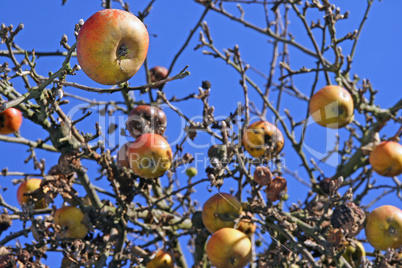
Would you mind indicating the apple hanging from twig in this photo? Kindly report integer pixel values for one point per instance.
(112, 46)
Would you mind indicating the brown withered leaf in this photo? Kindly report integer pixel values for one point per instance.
(262, 176)
(277, 189)
(335, 236)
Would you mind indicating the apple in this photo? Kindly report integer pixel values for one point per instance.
(10, 121)
(229, 248)
(146, 119)
(150, 156)
(157, 74)
(332, 107)
(191, 172)
(71, 220)
(162, 259)
(219, 211)
(112, 46)
(262, 138)
(245, 225)
(29, 186)
(384, 227)
(262, 176)
(386, 158)
(354, 253)
(277, 189)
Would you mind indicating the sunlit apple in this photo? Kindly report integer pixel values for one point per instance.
(221, 210)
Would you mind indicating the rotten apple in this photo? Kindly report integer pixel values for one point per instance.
(157, 74)
(146, 119)
(263, 139)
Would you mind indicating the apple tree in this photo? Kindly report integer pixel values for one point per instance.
(204, 133)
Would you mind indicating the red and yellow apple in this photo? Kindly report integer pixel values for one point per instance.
(71, 220)
(29, 186)
(150, 156)
(229, 248)
(262, 138)
(386, 158)
(146, 119)
(112, 46)
(221, 210)
(384, 227)
(10, 121)
(162, 259)
(332, 107)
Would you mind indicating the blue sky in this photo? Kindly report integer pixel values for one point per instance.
(377, 58)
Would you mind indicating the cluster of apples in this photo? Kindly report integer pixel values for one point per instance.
(229, 245)
(332, 106)
(70, 219)
(150, 155)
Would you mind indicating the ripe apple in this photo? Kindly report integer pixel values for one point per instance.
(71, 220)
(150, 156)
(162, 259)
(219, 211)
(229, 248)
(146, 119)
(29, 186)
(112, 46)
(10, 121)
(384, 227)
(262, 138)
(386, 158)
(332, 107)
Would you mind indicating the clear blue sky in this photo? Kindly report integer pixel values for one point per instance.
(378, 58)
